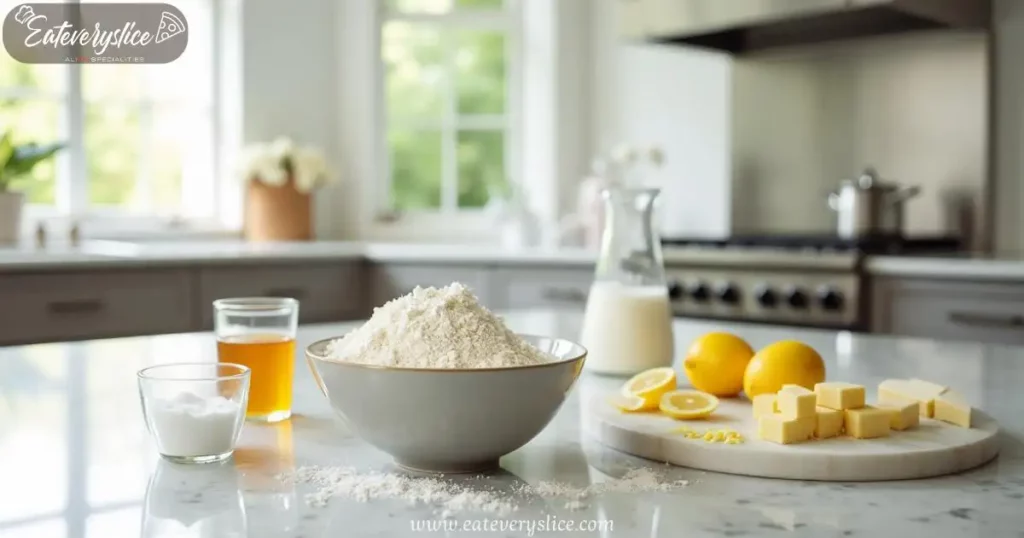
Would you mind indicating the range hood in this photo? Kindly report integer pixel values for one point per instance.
(740, 26)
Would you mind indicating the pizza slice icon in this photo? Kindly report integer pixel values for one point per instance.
(170, 26)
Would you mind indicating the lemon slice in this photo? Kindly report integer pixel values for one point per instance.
(651, 385)
(629, 403)
(688, 404)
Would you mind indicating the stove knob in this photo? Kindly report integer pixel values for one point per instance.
(675, 290)
(700, 292)
(728, 294)
(830, 299)
(766, 297)
(796, 298)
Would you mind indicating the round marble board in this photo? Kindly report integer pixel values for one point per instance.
(932, 449)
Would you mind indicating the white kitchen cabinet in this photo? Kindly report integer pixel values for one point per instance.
(949, 309)
(325, 291)
(58, 306)
(393, 280)
(527, 287)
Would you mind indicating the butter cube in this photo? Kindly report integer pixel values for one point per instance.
(837, 395)
(902, 391)
(867, 422)
(764, 404)
(776, 429)
(795, 402)
(830, 423)
(927, 386)
(902, 416)
(953, 408)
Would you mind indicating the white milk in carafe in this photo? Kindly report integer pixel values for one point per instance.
(627, 329)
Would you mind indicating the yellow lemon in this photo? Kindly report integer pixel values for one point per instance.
(628, 403)
(783, 363)
(650, 385)
(688, 404)
(715, 363)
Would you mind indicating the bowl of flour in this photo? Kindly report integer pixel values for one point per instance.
(441, 384)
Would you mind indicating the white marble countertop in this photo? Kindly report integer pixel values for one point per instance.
(113, 254)
(75, 458)
(97, 254)
(953, 268)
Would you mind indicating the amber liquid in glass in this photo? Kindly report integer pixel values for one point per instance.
(271, 358)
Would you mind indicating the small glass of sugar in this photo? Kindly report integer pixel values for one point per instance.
(194, 411)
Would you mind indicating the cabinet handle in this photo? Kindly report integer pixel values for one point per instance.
(564, 294)
(974, 319)
(78, 306)
(293, 293)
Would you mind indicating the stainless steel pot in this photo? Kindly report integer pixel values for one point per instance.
(866, 206)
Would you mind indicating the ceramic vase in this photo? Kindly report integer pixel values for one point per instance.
(277, 213)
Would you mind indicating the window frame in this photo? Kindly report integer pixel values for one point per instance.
(71, 195)
(509, 21)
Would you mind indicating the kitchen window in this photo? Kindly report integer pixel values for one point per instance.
(449, 79)
(143, 142)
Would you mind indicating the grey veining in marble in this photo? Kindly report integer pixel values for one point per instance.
(76, 461)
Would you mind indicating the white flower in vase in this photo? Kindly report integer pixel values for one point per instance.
(275, 163)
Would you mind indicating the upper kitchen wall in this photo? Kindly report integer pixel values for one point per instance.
(756, 143)
(914, 106)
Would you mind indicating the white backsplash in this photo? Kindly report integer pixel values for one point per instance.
(915, 107)
(755, 144)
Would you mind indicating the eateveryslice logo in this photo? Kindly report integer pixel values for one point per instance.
(137, 33)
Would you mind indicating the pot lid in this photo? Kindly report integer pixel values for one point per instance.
(869, 179)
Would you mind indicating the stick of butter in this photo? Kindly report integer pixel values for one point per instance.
(902, 416)
(796, 402)
(830, 423)
(928, 386)
(764, 404)
(776, 429)
(903, 391)
(867, 422)
(953, 408)
(838, 395)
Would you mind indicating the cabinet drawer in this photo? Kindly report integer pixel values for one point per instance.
(978, 312)
(325, 292)
(539, 288)
(395, 280)
(73, 306)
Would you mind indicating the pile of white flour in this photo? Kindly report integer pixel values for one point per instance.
(451, 498)
(435, 328)
(447, 497)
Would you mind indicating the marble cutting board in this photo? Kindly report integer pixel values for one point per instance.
(932, 449)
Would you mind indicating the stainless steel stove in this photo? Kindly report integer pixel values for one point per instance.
(814, 281)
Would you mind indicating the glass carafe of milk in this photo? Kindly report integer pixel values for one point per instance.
(627, 327)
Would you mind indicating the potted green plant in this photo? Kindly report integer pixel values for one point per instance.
(17, 161)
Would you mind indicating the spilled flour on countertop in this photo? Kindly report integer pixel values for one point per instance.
(449, 497)
(435, 328)
(634, 481)
(445, 495)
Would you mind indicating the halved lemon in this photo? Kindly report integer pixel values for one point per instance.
(629, 403)
(688, 404)
(650, 385)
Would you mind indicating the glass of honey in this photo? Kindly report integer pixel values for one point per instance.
(259, 332)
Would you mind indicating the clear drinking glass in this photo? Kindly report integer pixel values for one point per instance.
(627, 326)
(194, 410)
(259, 332)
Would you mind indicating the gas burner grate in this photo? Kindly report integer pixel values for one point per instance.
(884, 244)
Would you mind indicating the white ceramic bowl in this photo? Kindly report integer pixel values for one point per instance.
(449, 421)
